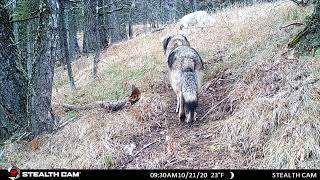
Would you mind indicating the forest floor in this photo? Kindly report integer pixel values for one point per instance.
(259, 104)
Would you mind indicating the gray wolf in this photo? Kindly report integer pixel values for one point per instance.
(185, 74)
(197, 19)
(173, 41)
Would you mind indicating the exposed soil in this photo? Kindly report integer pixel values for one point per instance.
(181, 145)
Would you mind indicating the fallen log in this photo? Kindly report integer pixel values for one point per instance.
(109, 105)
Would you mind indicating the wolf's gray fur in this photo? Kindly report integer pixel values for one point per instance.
(174, 41)
(185, 71)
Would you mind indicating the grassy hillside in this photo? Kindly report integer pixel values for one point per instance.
(259, 106)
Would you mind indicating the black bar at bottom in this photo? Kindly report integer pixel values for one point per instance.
(164, 174)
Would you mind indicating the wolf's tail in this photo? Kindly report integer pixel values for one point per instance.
(190, 91)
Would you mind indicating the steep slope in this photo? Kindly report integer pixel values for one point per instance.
(259, 107)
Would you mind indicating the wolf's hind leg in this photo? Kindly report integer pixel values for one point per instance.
(178, 104)
(182, 114)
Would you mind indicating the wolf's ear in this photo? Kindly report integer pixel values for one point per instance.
(171, 59)
(200, 58)
(186, 39)
(166, 42)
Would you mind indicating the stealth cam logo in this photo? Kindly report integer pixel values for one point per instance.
(13, 173)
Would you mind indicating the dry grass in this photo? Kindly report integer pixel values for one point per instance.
(85, 145)
(279, 98)
(267, 118)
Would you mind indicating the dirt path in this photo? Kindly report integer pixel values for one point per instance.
(182, 145)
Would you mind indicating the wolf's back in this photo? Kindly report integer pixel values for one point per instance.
(184, 57)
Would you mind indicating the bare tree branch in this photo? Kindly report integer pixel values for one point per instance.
(74, 1)
(114, 10)
(26, 19)
(110, 4)
(301, 2)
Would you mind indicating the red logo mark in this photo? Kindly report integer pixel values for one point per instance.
(13, 172)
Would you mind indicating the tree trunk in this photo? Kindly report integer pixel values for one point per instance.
(130, 30)
(60, 46)
(15, 25)
(106, 25)
(42, 117)
(115, 23)
(194, 5)
(13, 85)
(102, 25)
(88, 31)
(97, 44)
(64, 41)
(161, 12)
(72, 31)
(30, 46)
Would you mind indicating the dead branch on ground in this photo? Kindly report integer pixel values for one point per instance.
(109, 105)
(290, 25)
